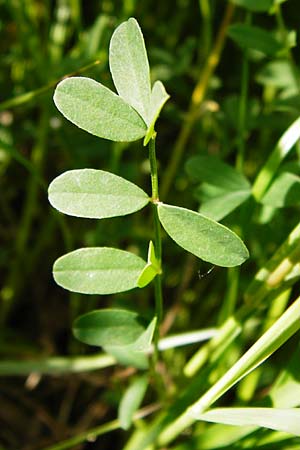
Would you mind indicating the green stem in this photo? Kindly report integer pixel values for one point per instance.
(157, 243)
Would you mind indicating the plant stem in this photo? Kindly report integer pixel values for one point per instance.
(157, 243)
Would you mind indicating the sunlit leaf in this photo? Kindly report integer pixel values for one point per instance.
(159, 96)
(98, 110)
(131, 400)
(95, 194)
(151, 269)
(202, 236)
(286, 420)
(130, 68)
(98, 270)
(252, 37)
(285, 191)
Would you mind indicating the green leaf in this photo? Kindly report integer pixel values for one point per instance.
(217, 173)
(254, 5)
(96, 270)
(109, 327)
(136, 353)
(252, 37)
(121, 333)
(95, 194)
(284, 327)
(223, 188)
(277, 73)
(219, 207)
(159, 96)
(285, 191)
(202, 236)
(151, 269)
(131, 401)
(98, 110)
(147, 275)
(130, 68)
(287, 420)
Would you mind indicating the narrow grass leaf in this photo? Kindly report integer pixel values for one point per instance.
(252, 37)
(129, 67)
(95, 194)
(202, 236)
(285, 327)
(98, 270)
(131, 401)
(97, 110)
(281, 150)
(284, 191)
(287, 420)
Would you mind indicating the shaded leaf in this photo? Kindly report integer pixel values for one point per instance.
(214, 171)
(98, 270)
(223, 188)
(130, 68)
(131, 401)
(136, 353)
(284, 191)
(104, 327)
(286, 420)
(219, 207)
(97, 110)
(202, 236)
(252, 37)
(95, 194)
(255, 5)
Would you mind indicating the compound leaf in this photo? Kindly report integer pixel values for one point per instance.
(202, 236)
(98, 270)
(95, 194)
(97, 110)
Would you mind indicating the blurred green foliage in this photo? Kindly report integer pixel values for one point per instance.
(235, 108)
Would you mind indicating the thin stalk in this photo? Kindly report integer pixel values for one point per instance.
(157, 245)
(94, 433)
(29, 96)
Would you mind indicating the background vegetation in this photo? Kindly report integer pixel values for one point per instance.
(234, 93)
